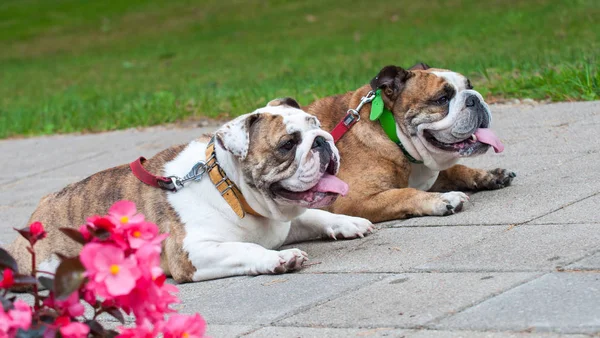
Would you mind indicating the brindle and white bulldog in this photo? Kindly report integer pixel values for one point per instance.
(438, 118)
(280, 160)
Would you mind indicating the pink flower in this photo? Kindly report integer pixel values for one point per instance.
(37, 230)
(143, 330)
(111, 273)
(140, 233)
(89, 296)
(152, 301)
(104, 223)
(75, 330)
(125, 213)
(183, 326)
(70, 306)
(85, 232)
(17, 318)
(33, 233)
(8, 279)
(149, 257)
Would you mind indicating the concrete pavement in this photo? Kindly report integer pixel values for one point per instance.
(519, 262)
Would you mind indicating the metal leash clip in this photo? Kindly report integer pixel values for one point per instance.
(353, 115)
(195, 174)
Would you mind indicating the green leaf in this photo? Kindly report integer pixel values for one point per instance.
(110, 333)
(47, 282)
(25, 233)
(69, 277)
(6, 304)
(73, 234)
(116, 313)
(95, 328)
(7, 261)
(31, 333)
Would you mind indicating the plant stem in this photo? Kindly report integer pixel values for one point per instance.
(36, 296)
(96, 314)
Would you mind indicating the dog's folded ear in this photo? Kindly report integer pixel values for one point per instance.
(391, 80)
(234, 136)
(419, 66)
(285, 101)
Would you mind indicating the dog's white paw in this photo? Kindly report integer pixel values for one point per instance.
(286, 260)
(449, 203)
(348, 227)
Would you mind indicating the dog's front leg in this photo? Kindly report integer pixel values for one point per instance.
(213, 260)
(403, 203)
(315, 223)
(460, 177)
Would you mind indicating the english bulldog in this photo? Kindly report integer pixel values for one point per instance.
(435, 117)
(277, 157)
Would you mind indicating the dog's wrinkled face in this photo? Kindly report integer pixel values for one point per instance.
(439, 110)
(284, 155)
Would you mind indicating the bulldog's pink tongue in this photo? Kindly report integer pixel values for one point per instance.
(487, 136)
(330, 183)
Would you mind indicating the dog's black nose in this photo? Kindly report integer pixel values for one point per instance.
(319, 142)
(471, 101)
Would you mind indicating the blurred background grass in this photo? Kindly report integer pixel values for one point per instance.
(73, 65)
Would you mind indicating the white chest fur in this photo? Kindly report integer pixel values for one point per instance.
(421, 177)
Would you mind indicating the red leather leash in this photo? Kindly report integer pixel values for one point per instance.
(344, 125)
(162, 182)
(352, 116)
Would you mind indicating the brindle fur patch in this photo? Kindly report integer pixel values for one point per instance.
(93, 196)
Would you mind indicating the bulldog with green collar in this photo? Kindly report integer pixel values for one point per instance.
(400, 138)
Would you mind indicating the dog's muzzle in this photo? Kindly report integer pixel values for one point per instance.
(321, 146)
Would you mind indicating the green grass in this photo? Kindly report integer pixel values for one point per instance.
(73, 65)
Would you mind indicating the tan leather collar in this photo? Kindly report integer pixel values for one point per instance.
(229, 190)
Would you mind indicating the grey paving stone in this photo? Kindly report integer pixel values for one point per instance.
(559, 302)
(407, 300)
(561, 128)
(42, 154)
(214, 331)
(28, 192)
(564, 140)
(483, 334)
(585, 211)
(528, 198)
(516, 204)
(523, 248)
(12, 217)
(311, 332)
(228, 331)
(511, 116)
(392, 250)
(263, 299)
(589, 263)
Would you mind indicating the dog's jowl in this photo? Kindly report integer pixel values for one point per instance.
(264, 172)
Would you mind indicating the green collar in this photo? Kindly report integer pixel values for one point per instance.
(388, 123)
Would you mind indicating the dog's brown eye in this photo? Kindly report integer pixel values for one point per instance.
(469, 86)
(442, 100)
(287, 146)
